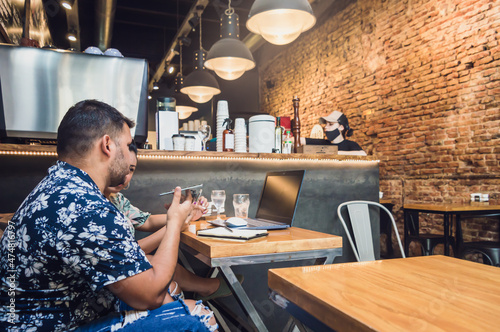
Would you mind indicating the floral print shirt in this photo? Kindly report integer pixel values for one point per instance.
(63, 245)
(135, 216)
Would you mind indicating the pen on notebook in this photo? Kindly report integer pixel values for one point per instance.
(229, 229)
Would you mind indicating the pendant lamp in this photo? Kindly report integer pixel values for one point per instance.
(183, 105)
(200, 85)
(280, 21)
(229, 57)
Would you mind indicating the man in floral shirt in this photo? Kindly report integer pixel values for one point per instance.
(68, 258)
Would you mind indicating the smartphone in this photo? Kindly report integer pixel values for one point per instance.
(198, 186)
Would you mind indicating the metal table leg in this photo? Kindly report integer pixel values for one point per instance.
(406, 220)
(446, 234)
(242, 298)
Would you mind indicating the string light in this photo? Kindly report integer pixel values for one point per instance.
(194, 157)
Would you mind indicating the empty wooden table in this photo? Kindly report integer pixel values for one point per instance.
(448, 211)
(280, 245)
(426, 293)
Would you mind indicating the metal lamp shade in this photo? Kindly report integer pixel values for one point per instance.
(280, 21)
(183, 105)
(200, 86)
(183, 114)
(229, 58)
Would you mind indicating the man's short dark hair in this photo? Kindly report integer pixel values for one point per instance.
(84, 123)
(133, 147)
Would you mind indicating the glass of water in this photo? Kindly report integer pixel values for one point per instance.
(204, 131)
(218, 198)
(241, 202)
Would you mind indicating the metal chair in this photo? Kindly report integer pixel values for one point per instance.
(490, 250)
(361, 228)
(428, 242)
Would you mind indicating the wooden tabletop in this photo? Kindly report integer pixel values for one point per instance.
(426, 293)
(278, 241)
(452, 207)
(4, 219)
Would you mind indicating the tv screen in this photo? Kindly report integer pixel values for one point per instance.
(38, 86)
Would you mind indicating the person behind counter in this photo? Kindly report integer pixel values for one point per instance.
(337, 130)
(68, 259)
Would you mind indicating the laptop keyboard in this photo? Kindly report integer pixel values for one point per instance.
(259, 223)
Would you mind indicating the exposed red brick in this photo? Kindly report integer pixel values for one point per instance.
(423, 94)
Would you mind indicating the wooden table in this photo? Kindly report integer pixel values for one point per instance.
(426, 293)
(448, 211)
(4, 220)
(280, 245)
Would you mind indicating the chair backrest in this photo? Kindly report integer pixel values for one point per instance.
(361, 227)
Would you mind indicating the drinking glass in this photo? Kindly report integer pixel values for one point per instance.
(218, 198)
(241, 202)
(204, 131)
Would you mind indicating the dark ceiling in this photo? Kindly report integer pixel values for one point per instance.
(147, 28)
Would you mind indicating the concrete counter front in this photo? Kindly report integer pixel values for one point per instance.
(329, 180)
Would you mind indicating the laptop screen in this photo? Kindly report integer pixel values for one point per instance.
(280, 196)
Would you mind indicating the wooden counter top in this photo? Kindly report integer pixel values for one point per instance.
(51, 150)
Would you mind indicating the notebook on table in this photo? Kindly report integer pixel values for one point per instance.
(235, 234)
(278, 200)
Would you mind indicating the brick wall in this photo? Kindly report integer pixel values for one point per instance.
(420, 83)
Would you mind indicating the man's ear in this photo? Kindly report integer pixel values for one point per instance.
(105, 144)
(341, 128)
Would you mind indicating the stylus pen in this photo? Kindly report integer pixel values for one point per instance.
(192, 187)
(220, 225)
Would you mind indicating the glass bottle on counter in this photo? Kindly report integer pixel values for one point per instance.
(287, 142)
(278, 135)
(227, 137)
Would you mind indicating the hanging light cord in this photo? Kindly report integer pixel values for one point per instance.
(180, 41)
(180, 54)
(199, 13)
(229, 11)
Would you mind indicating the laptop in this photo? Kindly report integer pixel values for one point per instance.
(278, 200)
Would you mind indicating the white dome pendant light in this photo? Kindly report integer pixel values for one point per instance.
(280, 22)
(200, 85)
(229, 57)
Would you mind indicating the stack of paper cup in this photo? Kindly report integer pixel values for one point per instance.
(196, 124)
(222, 114)
(240, 135)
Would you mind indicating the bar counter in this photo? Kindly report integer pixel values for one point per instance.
(329, 180)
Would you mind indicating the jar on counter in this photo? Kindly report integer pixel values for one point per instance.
(261, 133)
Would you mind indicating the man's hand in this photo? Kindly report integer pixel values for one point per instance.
(179, 212)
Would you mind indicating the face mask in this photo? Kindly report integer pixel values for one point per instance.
(331, 135)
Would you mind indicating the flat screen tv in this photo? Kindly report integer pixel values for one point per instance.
(38, 86)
